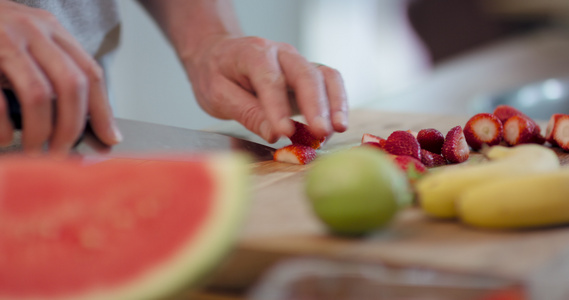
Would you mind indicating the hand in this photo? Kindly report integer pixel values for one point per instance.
(248, 79)
(43, 62)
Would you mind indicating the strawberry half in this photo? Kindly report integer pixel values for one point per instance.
(504, 112)
(412, 167)
(550, 126)
(367, 137)
(403, 143)
(303, 136)
(561, 132)
(483, 128)
(295, 154)
(519, 130)
(431, 160)
(455, 148)
(431, 140)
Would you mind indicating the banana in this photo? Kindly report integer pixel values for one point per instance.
(526, 201)
(437, 192)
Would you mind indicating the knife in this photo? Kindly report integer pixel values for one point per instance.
(143, 137)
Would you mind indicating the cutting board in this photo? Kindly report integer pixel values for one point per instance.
(281, 225)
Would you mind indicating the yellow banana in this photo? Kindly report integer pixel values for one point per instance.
(438, 192)
(526, 201)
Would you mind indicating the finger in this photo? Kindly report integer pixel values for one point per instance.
(243, 107)
(101, 116)
(71, 87)
(337, 98)
(269, 84)
(6, 129)
(35, 95)
(308, 85)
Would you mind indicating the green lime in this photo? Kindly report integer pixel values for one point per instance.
(356, 191)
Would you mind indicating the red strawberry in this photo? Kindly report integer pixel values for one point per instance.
(431, 160)
(303, 136)
(561, 132)
(373, 138)
(504, 112)
(403, 143)
(455, 148)
(412, 167)
(431, 139)
(519, 130)
(483, 129)
(550, 127)
(295, 154)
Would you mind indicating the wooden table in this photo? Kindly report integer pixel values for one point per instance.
(281, 225)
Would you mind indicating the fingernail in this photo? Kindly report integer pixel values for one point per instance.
(286, 126)
(340, 118)
(117, 134)
(265, 130)
(322, 123)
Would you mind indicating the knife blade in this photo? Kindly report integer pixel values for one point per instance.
(141, 138)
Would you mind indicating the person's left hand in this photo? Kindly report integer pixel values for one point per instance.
(249, 79)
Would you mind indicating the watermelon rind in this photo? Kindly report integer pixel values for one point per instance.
(201, 253)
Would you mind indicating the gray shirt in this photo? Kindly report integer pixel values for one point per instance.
(94, 23)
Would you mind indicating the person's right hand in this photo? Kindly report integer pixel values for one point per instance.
(58, 84)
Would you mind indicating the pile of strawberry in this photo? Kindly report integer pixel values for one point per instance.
(509, 125)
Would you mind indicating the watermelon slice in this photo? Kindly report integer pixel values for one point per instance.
(117, 229)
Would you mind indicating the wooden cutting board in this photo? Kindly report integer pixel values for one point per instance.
(281, 225)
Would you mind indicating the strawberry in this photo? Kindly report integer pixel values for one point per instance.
(431, 160)
(455, 148)
(303, 136)
(431, 139)
(504, 112)
(412, 167)
(373, 138)
(483, 128)
(403, 143)
(549, 130)
(519, 130)
(561, 132)
(295, 154)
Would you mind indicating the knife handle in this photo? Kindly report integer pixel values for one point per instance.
(14, 109)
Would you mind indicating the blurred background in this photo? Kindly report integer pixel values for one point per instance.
(439, 56)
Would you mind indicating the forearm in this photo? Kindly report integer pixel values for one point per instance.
(187, 23)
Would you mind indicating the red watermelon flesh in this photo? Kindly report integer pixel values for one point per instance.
(119, 229)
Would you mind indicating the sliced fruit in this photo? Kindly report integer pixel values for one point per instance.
(412, 167)
(504, 112)
(295, 154)
(455, 148)
(431, 160)
(357, 191)
(519, 130)
(303, 136)
(483, 129)
(119, 229)
(550, 126)
(431, 140)
(561, 132)
(403, 143)
(367, 137)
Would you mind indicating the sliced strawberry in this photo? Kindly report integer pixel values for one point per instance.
(412, 167)
(303, 136)
(519, 130)
(561, 132)
(403, 143)
(431, 139)
(455, 148)
(483, 128)
(549, 130)
(295, 154)
(504, 112)
(431, 160)
(367, 137)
